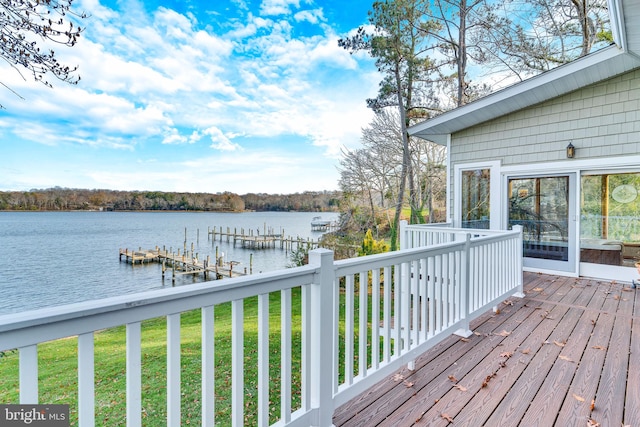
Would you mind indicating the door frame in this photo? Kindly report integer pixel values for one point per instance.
(570, 266)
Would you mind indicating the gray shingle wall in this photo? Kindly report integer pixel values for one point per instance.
(601, 120)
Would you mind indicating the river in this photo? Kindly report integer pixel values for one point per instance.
(54, 258)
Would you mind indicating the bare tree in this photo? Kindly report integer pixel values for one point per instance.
(29, 29)
(538, 35)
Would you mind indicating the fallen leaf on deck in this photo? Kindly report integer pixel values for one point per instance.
(593, 404)
(593, 322)
(617, 297)
(486, 380)
(537, 289)
(447, 417)
(459, 387)
(398, 377)
(464, 339)
(599, 347)
(560, 344)
(592, 423)
(565, 358)
(507, 302)
(506, 354)
(452, 378)
(525, 351)
(578, 398)
(408, 384)
(504, 333)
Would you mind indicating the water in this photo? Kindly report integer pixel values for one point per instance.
(54, 258)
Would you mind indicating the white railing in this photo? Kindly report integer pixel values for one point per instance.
(360, 320)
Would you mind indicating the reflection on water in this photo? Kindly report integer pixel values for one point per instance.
(53, 258)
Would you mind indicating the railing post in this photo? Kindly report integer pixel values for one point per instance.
(28, 374)
(518, 263)
(405, 290)
(404, 239)
(465, 278)
(322, 357)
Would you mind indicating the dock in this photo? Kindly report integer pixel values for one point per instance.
(319, 224)
(183, 264)
(268, 239)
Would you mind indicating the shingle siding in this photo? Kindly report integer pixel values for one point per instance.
(601, 120)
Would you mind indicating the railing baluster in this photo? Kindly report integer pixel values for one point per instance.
(375, 318)
(397, 312)
(422, 296)
(307, 323)
(363, 289)
(404, 320)
(208, 366)
(237, 364)
(173, 370)
(134, 380)
(446, 294)
(431, 294)
(438, 296)
(386, 332)
(348, 329)
(336, 327)
(285, 354)
(263, 360)
(29, 374)
(415, 303)
(86, 380)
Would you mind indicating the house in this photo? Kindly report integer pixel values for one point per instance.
(559, 154)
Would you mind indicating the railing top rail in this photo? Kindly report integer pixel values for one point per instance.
(77, 318)
(351, 265)
(444, 228)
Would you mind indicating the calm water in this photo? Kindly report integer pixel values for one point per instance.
(54, 258)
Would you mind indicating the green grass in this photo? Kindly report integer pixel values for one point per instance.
(58, 371)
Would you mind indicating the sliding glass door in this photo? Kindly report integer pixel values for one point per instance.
(545, 207)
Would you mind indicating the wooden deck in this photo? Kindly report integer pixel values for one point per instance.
(568, 354)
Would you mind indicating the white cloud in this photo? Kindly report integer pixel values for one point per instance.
(160, 80)
(220, 141)
(278, 7)
(314, 16)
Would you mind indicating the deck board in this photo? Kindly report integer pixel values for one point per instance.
(542, 360)
(632, 402)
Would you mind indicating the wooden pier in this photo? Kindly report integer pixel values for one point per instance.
(183, 264)
(268, 239)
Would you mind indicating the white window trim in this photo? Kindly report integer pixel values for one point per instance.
(495, 191)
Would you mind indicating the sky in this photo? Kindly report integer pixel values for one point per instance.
(193, 96)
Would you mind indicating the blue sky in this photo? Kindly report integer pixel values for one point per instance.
(197, 96)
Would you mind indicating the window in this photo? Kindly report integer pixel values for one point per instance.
(476, 204)
(610, 218)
